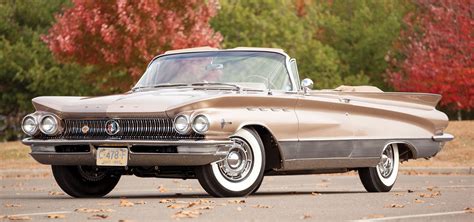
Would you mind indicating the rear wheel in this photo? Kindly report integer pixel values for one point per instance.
(84, 181)
(382, 177)
(241, 172)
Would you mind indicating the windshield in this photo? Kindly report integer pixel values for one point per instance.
(260, 70)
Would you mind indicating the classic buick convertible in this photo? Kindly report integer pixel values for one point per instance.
(229, 118)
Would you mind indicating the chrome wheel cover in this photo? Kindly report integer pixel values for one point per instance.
(238, 163)
(386, 165)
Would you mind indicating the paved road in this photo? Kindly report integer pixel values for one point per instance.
(283, 198)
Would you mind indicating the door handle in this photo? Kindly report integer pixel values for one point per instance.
(345, 100)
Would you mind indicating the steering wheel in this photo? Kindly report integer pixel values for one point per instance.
(264, 79)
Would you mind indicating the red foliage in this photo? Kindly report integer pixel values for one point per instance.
(439, 50)
(122, 34)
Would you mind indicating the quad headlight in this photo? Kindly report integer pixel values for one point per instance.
(49, 125)
(29, 125)
(200, 124)
(181, 124)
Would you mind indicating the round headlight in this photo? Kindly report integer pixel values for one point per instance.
(49, 125)
(181, 124)
(29, 125)
(200, 124)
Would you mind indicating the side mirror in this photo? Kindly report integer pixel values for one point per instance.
(307, 85)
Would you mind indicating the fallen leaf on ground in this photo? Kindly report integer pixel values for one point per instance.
(315, 193)
(431, 188)
(395, 206)
(56, 216)
(410, 191)
(55, 193)
(13, 217)
(162, 189)
(206, 201)
(186, 214)
(98, 217)
(419, 201)
(261, 206)
(305, 216)
(430, 195)
(11, 205)
(167, 201)
(192, 204)
(126, 203)
(89, 210)
(236, 201)
(205, 208)
(176, 206)
(469, 209)
(372, 216)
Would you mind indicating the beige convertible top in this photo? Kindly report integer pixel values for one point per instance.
(344, 88)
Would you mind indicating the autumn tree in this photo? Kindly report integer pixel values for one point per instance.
(125, 35)
(437, 51)
(361, 31)
(279, 24)
(27, 67)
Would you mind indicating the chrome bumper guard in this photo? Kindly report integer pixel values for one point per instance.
(189, 153)
(445, 137)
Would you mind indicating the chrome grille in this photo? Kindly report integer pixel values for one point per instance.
(131, 129)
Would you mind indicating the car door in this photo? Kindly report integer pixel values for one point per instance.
(324, 126)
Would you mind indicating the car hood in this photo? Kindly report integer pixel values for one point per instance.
(135, 104)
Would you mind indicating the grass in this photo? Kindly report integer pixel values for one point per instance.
(456, 153)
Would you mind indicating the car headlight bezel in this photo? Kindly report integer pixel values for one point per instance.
(35, 130)
(182, 130)
(204, 121)
(56, 127)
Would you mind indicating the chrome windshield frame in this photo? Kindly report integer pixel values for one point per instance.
(294, 84)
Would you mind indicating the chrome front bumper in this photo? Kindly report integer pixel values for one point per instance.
(189, 153)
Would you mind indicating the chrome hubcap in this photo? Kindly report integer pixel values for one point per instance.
(385, 166)
(238, 163)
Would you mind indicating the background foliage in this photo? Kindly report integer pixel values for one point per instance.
(27, 68)
(81, 47)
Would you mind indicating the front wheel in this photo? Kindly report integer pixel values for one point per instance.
(241, 172)
(84, 181)
(382, 177)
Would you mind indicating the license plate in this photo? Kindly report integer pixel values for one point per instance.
(112, 156)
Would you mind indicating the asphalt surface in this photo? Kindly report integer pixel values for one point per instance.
(280, 198)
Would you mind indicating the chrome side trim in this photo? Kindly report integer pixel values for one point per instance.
(316, 154)
(329, 163)
(443, 138)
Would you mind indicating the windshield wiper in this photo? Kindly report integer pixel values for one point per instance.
(134, 89)
(237, 87)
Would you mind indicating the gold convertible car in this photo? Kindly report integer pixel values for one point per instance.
(229, 118)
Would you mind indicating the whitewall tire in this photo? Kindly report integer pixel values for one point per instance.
(241, 172)
(382, 177)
